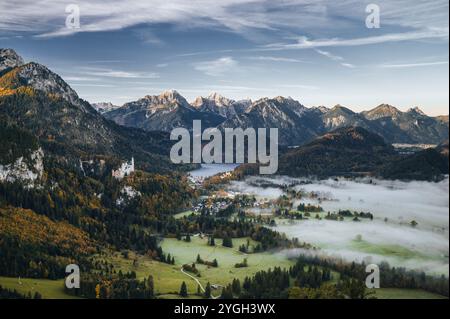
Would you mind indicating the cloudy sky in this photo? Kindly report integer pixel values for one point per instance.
(317, 51)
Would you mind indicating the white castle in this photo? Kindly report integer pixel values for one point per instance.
(124, 170)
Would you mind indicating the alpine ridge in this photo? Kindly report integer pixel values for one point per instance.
(297, 124)
(162, 112)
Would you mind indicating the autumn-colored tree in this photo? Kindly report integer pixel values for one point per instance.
(97, 291)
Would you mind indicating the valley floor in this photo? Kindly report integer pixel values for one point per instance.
(166, 277)
(49, 289)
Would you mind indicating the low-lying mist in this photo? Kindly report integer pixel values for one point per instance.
(389, 237)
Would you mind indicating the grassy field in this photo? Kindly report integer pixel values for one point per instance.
(167, 278)
(386, 250)
(186, 253)
(49, 289)
(392, 293)
(177, 296)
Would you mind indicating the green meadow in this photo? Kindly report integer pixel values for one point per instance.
(186, 253)
(49, 289)
(167, 278)
(392, 293)
(385, 250)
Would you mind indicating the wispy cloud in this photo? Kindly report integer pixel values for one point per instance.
(336, 58)
(216, 67)
(276, 59)
(236, 15)
(348, 65)
(413, 65)
(119, 73)
(98, 15)
(210, 52)
(330, 55)
(306, 43)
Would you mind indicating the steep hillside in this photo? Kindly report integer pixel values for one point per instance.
(345, 151)
(38, 101)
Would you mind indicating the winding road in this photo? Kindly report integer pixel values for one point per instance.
(198, 283)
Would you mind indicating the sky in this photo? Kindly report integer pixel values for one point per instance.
(320, 52)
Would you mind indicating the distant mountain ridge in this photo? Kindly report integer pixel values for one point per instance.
(162, 112)
(220, 105)
(297, 124)
(103, 107)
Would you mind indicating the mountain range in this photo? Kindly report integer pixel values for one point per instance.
(38, 101)
(216, 103)
(38, 104)
(162, 113)
(297, 124)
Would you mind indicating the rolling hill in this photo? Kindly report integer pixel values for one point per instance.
(345, 151)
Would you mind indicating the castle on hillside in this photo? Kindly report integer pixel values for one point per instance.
(125, 170)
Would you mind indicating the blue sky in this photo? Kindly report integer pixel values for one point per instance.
(319, 52)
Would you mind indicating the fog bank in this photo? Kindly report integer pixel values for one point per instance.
(389, 237)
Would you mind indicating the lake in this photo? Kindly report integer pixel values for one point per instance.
(208, 170)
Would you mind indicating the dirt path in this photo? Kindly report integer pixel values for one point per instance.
(198, 282)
